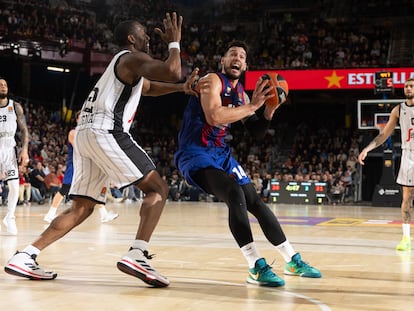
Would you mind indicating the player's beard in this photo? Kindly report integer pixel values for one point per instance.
(229, 75)
(409, 96)
(3, 95)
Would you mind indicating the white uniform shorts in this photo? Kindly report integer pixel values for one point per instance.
(100, 156)
(9, 168)
(406, 171)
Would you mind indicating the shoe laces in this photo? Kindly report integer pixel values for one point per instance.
(148, 256)
(34, 259)
(33, 256)
(301, 264)
(145, 253)
(266, 269)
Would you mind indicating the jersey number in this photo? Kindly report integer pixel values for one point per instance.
(239, 172)
(87, 117)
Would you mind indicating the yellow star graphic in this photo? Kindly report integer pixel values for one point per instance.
(334, 80)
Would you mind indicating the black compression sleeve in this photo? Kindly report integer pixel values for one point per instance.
(257, 125)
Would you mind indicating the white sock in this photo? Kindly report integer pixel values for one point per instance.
(52, 211)
(102, 210)
(31, 250)
(286, 250)
(251, 254)
(406, 230)
(13, 197)
(141, 244)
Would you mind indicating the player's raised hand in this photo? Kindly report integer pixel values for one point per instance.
(261, 93)
(172, 28)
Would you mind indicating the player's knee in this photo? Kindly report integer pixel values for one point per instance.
(234, 194)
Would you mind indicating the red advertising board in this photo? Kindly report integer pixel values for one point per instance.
(332, 79)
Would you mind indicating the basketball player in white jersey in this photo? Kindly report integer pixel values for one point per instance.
(404, 114)
(11, 118)
(104, 149)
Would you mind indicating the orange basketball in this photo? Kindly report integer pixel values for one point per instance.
(280, 89)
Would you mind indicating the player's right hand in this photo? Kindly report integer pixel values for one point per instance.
(361, 157)
(261, 93)
(191, 83)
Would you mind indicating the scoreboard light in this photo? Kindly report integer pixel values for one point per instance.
(297, 192)
(384, 82)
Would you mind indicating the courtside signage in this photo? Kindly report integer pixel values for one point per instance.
(332, 79)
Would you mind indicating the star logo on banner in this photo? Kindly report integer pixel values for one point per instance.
(334, 80)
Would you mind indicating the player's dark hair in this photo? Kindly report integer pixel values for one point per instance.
(408, 80)
(239, 44)
(122, 31)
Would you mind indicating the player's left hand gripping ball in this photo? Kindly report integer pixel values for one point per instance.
(279, 87)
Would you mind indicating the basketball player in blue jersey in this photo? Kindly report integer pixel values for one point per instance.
(404, 115)
(11, 118)
(206, 161)
(105, 150)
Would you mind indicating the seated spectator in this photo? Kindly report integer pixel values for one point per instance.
(25, 188)
(337, 192)
(192, 193)
(4, 191)
(132, 193)
(37, 178)
(258, 183)
(52, 181)
(177, 187)
(348, 183)
(266, 187)
(114, 195)
(36, 196)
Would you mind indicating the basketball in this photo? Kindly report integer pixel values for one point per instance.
(280, 88)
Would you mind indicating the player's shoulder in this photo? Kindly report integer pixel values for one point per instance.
(211, 76)
(208, 83)
(18, 106)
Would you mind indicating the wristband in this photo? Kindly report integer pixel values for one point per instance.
(174, 45)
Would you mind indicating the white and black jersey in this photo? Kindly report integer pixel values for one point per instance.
(406, 171)
(111, 105)
(8, 125)
(8, 128)
(104, 150)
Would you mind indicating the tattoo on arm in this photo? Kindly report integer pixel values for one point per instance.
(21, 122)
(378, 140)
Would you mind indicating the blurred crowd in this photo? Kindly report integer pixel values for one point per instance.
(279, 39)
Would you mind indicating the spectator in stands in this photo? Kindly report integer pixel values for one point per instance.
(266, 183)
(36, 196)
(257, 183)
(115, 194)
(52, 181)
(338, 191)
(37, 178)
(4, 191)
(177, 187)
(25, 188)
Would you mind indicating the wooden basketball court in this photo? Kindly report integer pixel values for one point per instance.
(353, 246)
